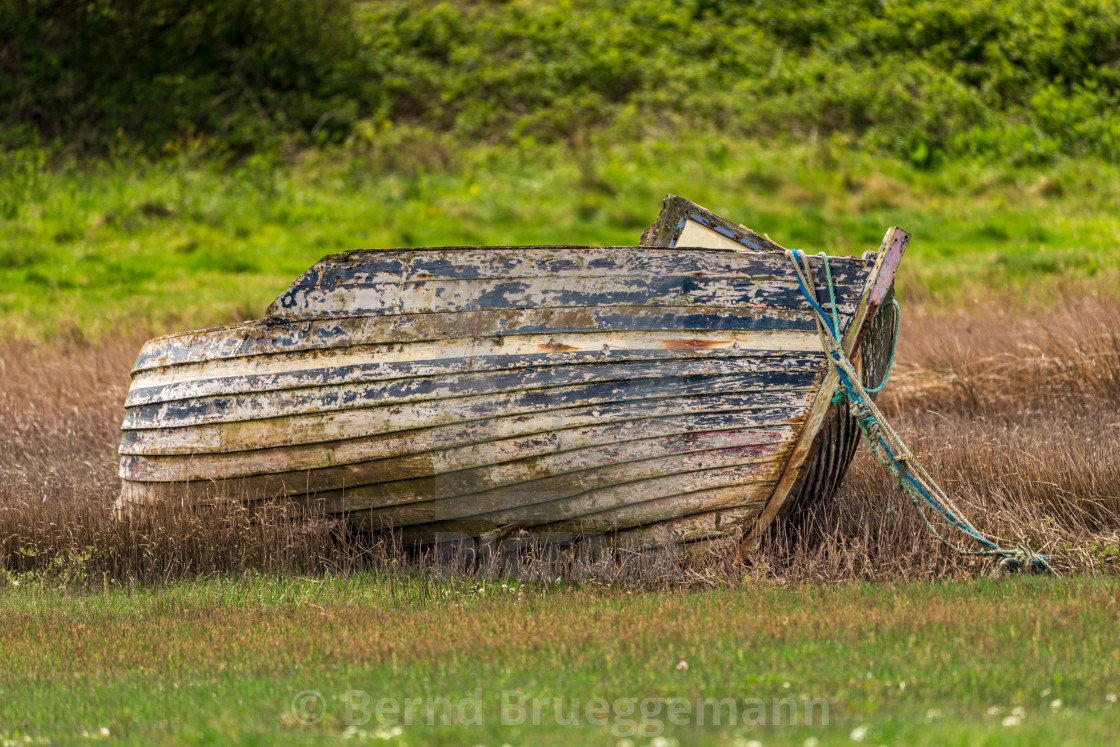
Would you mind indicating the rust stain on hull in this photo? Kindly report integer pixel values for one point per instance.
(694, 344)
(556, 347)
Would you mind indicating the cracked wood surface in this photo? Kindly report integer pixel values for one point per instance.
(656, 393)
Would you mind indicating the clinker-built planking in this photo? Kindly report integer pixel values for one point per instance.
(659, 393)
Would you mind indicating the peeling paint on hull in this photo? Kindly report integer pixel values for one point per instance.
(654, 393)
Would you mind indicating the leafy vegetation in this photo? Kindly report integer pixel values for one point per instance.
(927, 81)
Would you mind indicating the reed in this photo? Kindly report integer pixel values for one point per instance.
(1012, 408)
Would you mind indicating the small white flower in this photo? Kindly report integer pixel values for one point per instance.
(812, 742)
(785, 685)
(624, 743)
(15, 583)
(383, 733)
(104, 731)
(1018, 711)
(1055, 704)
(1011, 721)
(682, 666)
(994, 711)
(902, 685)
(859, 733)
(1044, 693)
(1111, 697)
(933, 714)
(753, 743)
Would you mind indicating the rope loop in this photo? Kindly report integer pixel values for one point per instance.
(885, 443)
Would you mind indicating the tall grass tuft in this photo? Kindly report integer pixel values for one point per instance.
(1012, 407)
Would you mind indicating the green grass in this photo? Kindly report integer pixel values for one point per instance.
(220, 661)
(86, 247)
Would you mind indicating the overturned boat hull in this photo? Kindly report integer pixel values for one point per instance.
(655, 394)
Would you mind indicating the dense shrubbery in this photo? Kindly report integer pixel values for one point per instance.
(1026, 79)
(88, 71)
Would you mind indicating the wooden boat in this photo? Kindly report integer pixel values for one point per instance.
(674, 391)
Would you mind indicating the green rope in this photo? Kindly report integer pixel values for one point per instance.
(886, 444)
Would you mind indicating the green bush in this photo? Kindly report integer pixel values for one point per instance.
(236, 70)
(1026, 80)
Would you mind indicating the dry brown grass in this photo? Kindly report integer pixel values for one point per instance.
(1014, 410)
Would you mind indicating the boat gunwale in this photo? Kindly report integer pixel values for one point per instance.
(365, 252)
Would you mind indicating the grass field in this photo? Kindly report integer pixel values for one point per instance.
(168, 168)
(1023, 661)
(182, 627)
(180, 244)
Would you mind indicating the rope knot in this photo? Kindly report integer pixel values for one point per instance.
(1023, 559)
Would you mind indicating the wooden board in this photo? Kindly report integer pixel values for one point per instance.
(570, 388)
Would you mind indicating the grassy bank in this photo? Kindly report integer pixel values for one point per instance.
(87, 246)
(1019, 662)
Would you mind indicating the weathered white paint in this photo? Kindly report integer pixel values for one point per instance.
(471, 354)
(695, 234)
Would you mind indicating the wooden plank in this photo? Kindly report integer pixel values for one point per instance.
(520, 262)
(266, 338)
(446, 356)
(320, 428)
(566, 498)
(321, 302)
(672, 230)
(513, 483)
(144, 446)
(362, 377)
(334, 426)
(886, 266)
(550, 382)
(684, 531)
(409, 502)
(669, 508)
(419, 501)
(689, 535)
(404, 455)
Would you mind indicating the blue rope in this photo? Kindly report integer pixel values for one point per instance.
(833, 324)
(870, 423)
